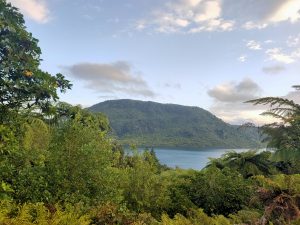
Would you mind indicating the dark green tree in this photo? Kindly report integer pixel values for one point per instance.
(218, 191)
(25, 92)
(23, 84)
(246, 163)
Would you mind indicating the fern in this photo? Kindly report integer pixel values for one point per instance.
(38, 214)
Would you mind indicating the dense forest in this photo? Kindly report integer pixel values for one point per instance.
(151, 124)
(58, 164)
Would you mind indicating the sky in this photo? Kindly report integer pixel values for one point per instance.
(214, 54)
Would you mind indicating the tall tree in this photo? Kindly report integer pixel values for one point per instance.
(283, 135)
(22, 83)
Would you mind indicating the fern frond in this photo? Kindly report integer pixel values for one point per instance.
(275, 101)
(268, 113)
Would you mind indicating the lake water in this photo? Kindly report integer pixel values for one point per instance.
(189, 159)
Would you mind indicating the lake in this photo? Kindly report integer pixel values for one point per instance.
(187, 158)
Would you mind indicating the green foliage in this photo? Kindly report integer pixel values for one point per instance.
(30, 214)
(36, 134)
(283, 135)
(219, 191)
(23, 84)
(5, 191)
(24, 162)
(144, 188)
(247, 163)
(65, 111)
(59, 166)
(81, 162)
(152, 124)
(111, 214)
(280, 197)
(290, 183)
(177, 181)
(69, 162)
(195, 217)
(246, 216)
(8, 141)
(25, 93)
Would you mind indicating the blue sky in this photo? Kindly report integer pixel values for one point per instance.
(214, 54)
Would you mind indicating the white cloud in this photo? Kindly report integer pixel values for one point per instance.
(242, 114)
(276, 54)
(229, 101)
(182, 22)
(288, 11)
(36, 10)
(187, 16)
(193, 16)
(242, 58)
(235, 92)
(252, 25)
(286, 53)
(253, 45)
(270, 12)
(293, 41)
(269, 41)
(210, 11)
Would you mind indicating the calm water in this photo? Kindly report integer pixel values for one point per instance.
(188, 159)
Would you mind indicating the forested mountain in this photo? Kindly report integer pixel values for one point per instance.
(152, 124)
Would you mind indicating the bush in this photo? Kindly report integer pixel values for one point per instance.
(219, 191)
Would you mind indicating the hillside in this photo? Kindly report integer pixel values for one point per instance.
(153, 124)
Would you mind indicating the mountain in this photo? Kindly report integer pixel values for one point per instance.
(151, 124)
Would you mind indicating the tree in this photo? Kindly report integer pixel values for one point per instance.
(218, 191)
(284, 136)
(22, 84)
(70, 161)
(150, 189)
(246, 163)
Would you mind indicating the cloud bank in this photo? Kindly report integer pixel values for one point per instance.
(193, 16)
(229, 101)
(113, 78)
(235, 92)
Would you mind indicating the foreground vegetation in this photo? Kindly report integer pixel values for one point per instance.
(59, 166)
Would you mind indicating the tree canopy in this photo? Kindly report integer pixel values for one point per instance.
(284, 135)
(23, 84)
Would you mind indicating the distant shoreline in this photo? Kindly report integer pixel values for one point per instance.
(191, 148)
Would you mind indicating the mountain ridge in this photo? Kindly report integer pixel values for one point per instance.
(152, 124)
